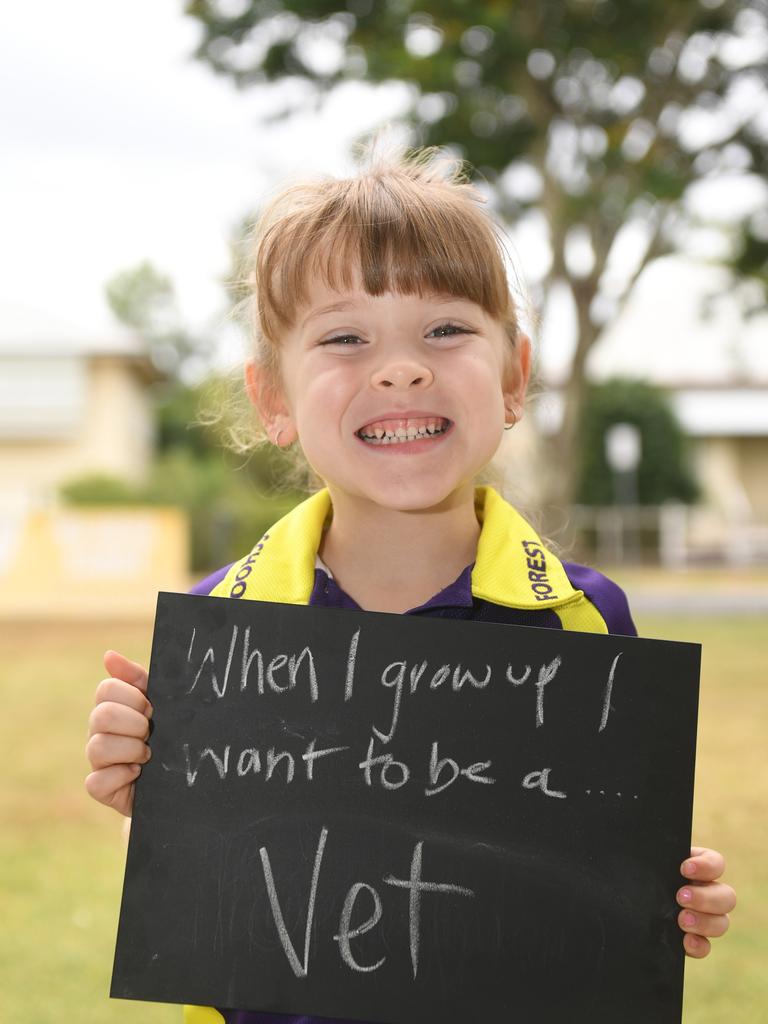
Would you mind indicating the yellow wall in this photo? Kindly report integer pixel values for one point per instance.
(91, 563)
(114, 436)
(753, 465)
(733, 473)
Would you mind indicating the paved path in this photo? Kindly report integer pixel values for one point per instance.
(700, 603)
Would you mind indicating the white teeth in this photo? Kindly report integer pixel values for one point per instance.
(380, 435)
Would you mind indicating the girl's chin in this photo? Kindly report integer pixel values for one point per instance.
(399, 497)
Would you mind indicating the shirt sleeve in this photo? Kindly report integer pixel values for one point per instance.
(607, 596)
(203, 587)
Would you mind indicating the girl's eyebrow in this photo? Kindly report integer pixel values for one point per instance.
(345, 304)
(335, 307)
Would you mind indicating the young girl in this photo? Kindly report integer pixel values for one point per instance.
(387, 346)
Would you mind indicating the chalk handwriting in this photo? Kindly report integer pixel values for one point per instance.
(436, 766)
(608, 693)
(209, 656)
(311, 755)
(267, 672)
(349, 683)
(346, 933)
(274, 759)
(515, 680)
(414, 884)
(540, 780)
(416, 887)
(221, 764)
(394, 681)
(249, 761)
(546, 674)
(393, 774)
(299, 967)
(394, 677)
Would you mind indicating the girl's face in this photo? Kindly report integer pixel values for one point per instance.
(398, 400)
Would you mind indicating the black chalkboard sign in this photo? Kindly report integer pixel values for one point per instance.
(391, 819)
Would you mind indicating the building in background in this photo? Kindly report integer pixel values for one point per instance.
(685, 332)
(71, 404)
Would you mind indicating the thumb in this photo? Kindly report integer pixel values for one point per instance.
(120, 667)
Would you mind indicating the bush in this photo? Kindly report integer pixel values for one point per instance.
(664, 472)
(101, 489)
(227, 514)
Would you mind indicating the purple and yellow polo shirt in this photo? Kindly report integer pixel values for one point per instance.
(515, 579)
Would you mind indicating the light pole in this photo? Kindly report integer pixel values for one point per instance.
(623, 451)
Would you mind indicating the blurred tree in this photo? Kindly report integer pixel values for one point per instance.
(100, 489)
(227, 513)
(589, 117)
(230, 499)
(663, 474)
(143, 298)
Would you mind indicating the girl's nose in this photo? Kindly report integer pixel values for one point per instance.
(403, 375)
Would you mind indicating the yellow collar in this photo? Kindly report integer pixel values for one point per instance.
(513, 567)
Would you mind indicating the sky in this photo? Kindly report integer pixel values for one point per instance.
(117, 147)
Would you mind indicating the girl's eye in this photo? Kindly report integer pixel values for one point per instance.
(453, 328)
(341, 339)
(352, 340)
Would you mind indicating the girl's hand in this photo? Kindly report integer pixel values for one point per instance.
(118, 729)
(706, 901)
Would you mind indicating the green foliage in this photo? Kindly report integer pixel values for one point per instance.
(751, 265)
(588, 97)
(178, 426)
(141, 297)
(506, 81)
(100, 489)
(199, 418)
(226, 513)
(663, 473)
(231, 500)
(144, 299)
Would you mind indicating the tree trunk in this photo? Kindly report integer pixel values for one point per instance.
(563, 449)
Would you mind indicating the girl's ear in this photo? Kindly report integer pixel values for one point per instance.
(267, 396)
(516, 379)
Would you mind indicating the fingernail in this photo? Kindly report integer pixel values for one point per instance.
(689, 868)
(686, 895)
(135, 768)
(689, 920)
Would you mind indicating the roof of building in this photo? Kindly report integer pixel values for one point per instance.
(722, 412)
(35, 331)
(684, 327)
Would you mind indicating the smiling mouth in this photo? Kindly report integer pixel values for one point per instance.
(421, 428)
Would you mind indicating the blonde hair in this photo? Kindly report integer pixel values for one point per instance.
(409, 222)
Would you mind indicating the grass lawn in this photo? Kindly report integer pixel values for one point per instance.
(61, 855)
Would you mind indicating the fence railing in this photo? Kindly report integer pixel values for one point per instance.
(672, 535)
